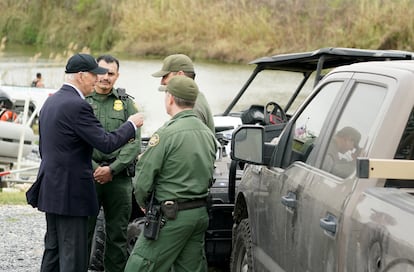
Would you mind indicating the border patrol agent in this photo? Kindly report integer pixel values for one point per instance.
(175, 173)
(180, 64)
(113, 172)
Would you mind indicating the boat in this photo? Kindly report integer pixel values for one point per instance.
(18, 142)
(19, 95)
(15, 138)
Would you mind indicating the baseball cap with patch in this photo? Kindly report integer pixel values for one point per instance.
(84, 63)
(175, 63)
(182, 87)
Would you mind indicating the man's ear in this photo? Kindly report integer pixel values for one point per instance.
(170, 99)
(180, 73)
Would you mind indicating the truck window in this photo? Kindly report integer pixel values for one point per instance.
(352, 129)
(309, 123)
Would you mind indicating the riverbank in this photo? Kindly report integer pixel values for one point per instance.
(232, 31)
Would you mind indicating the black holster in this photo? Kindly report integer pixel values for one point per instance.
(130, 169)
(169, 209)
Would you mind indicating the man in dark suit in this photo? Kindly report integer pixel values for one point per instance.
(65, 189)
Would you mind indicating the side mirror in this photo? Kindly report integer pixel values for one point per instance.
(248, 145)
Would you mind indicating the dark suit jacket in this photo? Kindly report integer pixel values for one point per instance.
(68, 132)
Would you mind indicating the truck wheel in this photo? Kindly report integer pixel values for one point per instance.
(98, 244)
(241, 255)
(134, 230)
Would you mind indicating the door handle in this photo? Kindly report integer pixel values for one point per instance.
(329, 223)
(289, 200)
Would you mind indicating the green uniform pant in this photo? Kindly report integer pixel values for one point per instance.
(180, 246)
(116, 200)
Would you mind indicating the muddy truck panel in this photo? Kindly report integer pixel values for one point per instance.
(378, 237)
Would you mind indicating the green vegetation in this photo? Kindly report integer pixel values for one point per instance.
(12, 198)
(221, 30)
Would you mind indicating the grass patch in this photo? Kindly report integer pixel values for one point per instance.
(12, 198)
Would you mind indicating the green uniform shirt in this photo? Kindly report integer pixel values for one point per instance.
(112, 111)
(203, 111)
(179, 161)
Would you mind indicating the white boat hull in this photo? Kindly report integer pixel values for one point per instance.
(10, 134)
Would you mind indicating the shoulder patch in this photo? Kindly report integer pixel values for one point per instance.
(118, 105)
(155, 139)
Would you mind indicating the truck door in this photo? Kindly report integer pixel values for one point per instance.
(280, 187)
(331, 176)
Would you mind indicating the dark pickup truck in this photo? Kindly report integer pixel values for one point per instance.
(332, 190)
(289, 78)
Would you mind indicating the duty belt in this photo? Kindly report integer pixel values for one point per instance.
(170, 208)
(192, 204)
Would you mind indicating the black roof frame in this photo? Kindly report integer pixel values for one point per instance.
(316, 61)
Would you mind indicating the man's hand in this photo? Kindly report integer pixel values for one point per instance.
(103, 174)
(137, 119)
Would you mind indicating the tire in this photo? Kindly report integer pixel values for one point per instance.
(241, 254)
(98, 242)
(96, 262)
(134, 230)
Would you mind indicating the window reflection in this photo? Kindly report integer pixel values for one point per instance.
(309, 124)
(353, 128)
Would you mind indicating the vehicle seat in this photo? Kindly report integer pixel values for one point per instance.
(253, 115)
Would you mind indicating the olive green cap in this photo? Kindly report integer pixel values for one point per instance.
(175, 63)
(182, 87)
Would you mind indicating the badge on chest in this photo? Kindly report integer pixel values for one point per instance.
(118, 105)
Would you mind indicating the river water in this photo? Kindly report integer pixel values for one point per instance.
(219, 83)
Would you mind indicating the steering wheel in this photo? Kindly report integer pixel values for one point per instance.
(274, 114)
